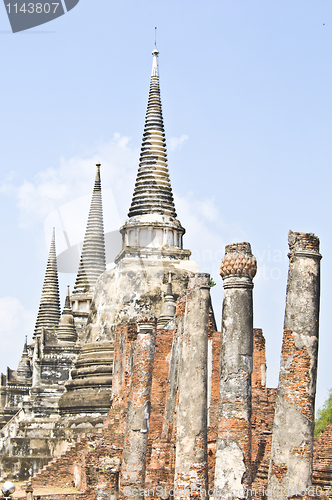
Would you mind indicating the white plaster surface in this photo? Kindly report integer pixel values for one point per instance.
(229, 471)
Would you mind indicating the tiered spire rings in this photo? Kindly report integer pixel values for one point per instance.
(93, 262)
(49, 307)
(153, 192)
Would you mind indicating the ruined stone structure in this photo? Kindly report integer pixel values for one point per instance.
(191, 468)
(153, 400)
(294, 420)
(233, 456)
(32, 432)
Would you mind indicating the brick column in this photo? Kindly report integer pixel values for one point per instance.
(191, 439)
(290, 470)
(258, 378)
(233, 456)
(137, 426)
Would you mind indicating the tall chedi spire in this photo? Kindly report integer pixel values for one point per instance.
(153, 192)
(92, 263)
(49, 307)
(152, 229)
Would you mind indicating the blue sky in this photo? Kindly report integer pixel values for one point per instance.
(246, 92)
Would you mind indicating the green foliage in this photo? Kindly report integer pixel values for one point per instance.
(212, 283)
(324, 415)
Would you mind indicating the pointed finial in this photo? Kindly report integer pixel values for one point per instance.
(97, 186)
(155, 55)
(67, 301)
(26, 344)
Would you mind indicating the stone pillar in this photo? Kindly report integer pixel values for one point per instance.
(29, 491)
(290, 471)
(191, 439)
(233, 455)
(36, 363)
(134, 452)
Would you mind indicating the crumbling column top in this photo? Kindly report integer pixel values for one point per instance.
(303, 244)
(146, 324)
(199, 280)
(238, 261)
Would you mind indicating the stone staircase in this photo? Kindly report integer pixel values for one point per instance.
(28, 443)
(60, 471)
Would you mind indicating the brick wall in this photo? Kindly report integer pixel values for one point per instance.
(322, 475)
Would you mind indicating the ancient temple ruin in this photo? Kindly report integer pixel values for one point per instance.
(133, 393)
(33, 431)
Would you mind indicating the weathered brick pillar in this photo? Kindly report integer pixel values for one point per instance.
(290, 470)
(191, 439)
(135, 445)
(233, 456)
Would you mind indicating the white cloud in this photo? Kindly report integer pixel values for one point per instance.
(206, 228)
(15, 322)
(52, 188)
(207, 233)
(7, 187)
(11, 175)
(175, 142)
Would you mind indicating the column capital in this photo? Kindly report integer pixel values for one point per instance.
(146, 325)
(236, 281)
(239, 262)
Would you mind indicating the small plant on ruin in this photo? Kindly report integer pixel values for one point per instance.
(212, 283)
(324, 417)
